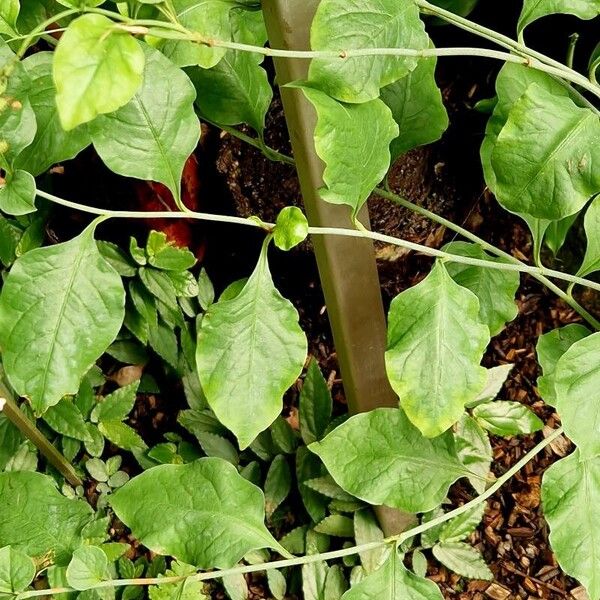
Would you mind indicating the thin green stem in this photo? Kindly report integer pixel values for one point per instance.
(312, 558)
(508, 266)
(42, 27)
(573, 39)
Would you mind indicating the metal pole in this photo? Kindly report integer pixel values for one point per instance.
(347, 267)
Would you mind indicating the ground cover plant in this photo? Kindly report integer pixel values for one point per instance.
(91, 507)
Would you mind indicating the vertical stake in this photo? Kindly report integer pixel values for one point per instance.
(347, 266)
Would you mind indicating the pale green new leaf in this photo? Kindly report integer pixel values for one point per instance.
(152, 136)
(341, 25)
(88, 567)
(461, 527)
(394, 465)
(9, 11)
(17, 195)
(367, 530)
(576, 383)
(393, 581)
(250, 351)
(122, 435)
(315, 405)
(291, 228)
(507, 418)
(52, 144)
(17, 571)
(60, 308)
(183, 590)
(209, 18)
(550, 347)
(42, 521)
(463, 560)
(237, 89)
(494, 288)
(353, 141)
(496, 378)
(203, 513)
(544, 159)
(591, 223)
(571, 503)
(474, 451)
(417, 107)
(97, 69)
(535, 9)
(435, 344)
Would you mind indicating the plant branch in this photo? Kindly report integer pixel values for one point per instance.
(312, 558)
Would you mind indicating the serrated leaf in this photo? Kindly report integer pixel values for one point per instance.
(543, 159)
(463, 560)
(308, 466)
(17, 571)
(237, 89)
(97, 69)
(116, 406)
(535, 9)
(17, 195)
(66, 419)
(367, 530)
(408, 471)
(576, 383)
(153, 135)
(215, 445)
(88, 567)
(328, 487)
(474, 450)
(417, 107)
(494, 288)
(184, 590)
(43, 521)
(550, 347)
(277, 484)
(507, 418)
(257, 336)
(212, 501)
(394, 582)
(356, 159)
(435, 345)
(291, 228)
(206, 290)
(120, 262)
(60, 308)
(52, 144)
(122, 435)
(315, 404)
(211, 18)
(340, 26)
(10, 440)
(337, 526)
(571, 503)
(461, 527)
(163, 254)
(159, 284)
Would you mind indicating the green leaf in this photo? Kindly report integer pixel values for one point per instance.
(591, 223)
(367, 530)
(119, 261)
(203, 513)
(237, 89)
(394, 465)
(535, 9)
(208, 17)
(257, 336)
(507, 418)
(122, 435)
(315, 404)
(417, 107)
(17, 195)
(576, 383)
(10, 235)
(550, 347)
(460, 7)
(116, 406)
(353, 141)
(206, 290)
(394, 582)
(97, 69)
(52, 144)
(97, 469)
(474, 451)
(10, 440)
(494, 288)
(461, 527)
(328, 487)
(17, 571)
(60, 308)
(463, 560)
(277, 484)
(159, 284)
(66, 419)
(309, 467)
(571, 502)
(9, 11)
(435, 345)
(544, 156)
(184, 590)
(277, 584)
(42, 521)
(496, 378)
(154, 133)
(291, 228)
(165, 255)
(337, 526)
(341, 26)
(88, 567)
